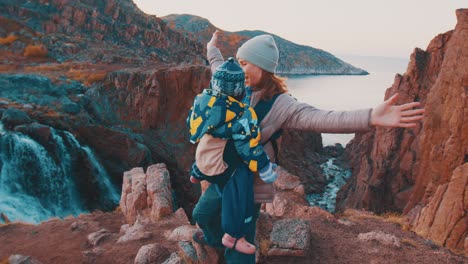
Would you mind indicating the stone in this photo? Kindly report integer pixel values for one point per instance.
(381, 237)
(147, 196)
(21, 259)
(285, 180)
(133, 197)
(174, 259)
(152, 253)
(98, 237)
(290, 235)
(188, 252)
(183, 233)
(159, 191)
(79, 226)
(135, 233)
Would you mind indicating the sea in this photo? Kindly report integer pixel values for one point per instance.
(344, 92)
(348, 92)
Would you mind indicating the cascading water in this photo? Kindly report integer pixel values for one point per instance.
(110, 194)
(62, 178)
(336, 178)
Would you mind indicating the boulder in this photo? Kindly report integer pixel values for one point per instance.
(152, 253)
(183, 233)
(134, 233)
(290, 237)
(98, 237)
(13, 117)
(148, 196)
(174, 259)
(381, 237)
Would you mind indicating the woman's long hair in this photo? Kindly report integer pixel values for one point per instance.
(271, 84)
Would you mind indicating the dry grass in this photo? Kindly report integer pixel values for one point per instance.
(87, 77)
(410, 242)
(85, 73)
(38, 51)
(264, 246)
(5, 261)
(118, 210)
(389, 217)
(353, 214)
(8, 39)
(394, 217)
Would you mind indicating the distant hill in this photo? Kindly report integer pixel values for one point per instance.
(112, 32)
(294, 58)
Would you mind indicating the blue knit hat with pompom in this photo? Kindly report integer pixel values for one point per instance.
(229, 79)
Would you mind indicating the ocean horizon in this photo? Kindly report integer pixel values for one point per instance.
(348, 92)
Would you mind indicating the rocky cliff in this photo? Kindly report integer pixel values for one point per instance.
(422, 171)
(294, 58)
(113, 31)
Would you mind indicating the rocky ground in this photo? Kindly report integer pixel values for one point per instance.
(288, 231)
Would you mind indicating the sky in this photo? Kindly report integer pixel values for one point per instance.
(343, 27)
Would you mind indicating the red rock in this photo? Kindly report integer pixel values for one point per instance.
(444, 220)
(147, 197)
(411, 170)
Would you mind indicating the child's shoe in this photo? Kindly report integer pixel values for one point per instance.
(239, 244)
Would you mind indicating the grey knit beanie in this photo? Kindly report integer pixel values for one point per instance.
(229, 79)
(260, 51)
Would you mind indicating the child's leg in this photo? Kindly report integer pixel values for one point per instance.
(238, 208)
(239, 244)
(233, 256)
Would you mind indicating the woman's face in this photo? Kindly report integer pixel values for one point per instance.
(253, 74)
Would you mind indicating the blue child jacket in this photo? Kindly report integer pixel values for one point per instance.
(224, 117)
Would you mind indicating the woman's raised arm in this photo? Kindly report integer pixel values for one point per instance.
(213, 53)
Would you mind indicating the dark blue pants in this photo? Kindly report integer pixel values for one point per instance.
(238, 202)
(207, 213)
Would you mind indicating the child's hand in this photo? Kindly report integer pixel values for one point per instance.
(194, 180)
(214, 39)
(267, 174)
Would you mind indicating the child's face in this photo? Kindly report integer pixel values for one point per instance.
(253, 74)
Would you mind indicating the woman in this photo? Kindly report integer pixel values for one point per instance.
(258, 58)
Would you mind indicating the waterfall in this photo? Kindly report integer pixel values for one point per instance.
(103, 178)
(39, 182)
(110, 192)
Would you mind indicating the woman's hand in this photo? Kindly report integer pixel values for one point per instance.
(214, 40)
(389, 115)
